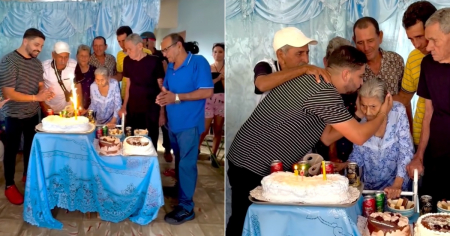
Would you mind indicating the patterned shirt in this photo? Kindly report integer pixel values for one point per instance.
(286, 124)
(105, 108)
(410, 83)
(384, 159)
(391, 71)
(110, 63)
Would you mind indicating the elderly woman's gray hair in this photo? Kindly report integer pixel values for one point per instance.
(101, 71)
(374, 88)
(335, 43)
(83, 47)
(441, 16)
(134, 38)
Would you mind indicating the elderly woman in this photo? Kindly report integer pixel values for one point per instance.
(385, 155)
(84, 76)
(105, 98)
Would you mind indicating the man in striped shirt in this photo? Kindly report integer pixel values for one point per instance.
(290, 120)
(414, 23)
(21, 81)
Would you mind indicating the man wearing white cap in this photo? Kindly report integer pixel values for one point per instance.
(58, 76)
(291, 47)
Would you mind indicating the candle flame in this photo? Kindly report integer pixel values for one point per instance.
(74, 96)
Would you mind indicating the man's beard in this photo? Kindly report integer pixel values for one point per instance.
(31, 52)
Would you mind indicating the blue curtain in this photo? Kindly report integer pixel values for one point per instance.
(251, 25)
(74, 22)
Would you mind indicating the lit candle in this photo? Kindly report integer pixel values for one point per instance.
(324, 171)
(74, 96)
(302, 172)
(296, 170)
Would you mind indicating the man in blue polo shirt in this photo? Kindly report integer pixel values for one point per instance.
(187, 84)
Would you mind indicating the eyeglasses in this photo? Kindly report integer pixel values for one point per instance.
(166, 49)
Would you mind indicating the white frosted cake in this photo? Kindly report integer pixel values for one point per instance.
(138, 146)
(109, 145)
(62, 124)
(286, 187)
(433, 224)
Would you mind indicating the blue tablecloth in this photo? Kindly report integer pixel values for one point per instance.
(66, 171)
(274, 220)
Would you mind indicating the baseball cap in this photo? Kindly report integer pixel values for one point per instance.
(148, 35)
(291, 36)
(61, 47)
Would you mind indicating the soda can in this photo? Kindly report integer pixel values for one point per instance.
(426, 202)
(105, 130)
(329, 167)
(50, 112)
(368, 205)
(276, 166)
(303, 168)
(353, 174)
(128, 131)
(379, 198)
(99, 132)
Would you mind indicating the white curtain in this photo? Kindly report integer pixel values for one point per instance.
(251, 25)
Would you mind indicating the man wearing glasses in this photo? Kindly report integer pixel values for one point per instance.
(187, 84)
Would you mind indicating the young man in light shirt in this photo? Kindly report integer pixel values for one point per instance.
(414, 23)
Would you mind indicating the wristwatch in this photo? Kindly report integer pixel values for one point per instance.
(177, 99)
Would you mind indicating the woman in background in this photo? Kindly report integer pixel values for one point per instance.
(84, 77)
(385, 155)
(105, 98)
(215, 106)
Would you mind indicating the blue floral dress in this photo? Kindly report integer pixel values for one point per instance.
(105, 108)
(384, 159)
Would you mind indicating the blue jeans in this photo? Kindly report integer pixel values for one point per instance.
(185, 148)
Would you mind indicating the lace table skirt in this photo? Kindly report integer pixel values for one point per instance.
(66, 171)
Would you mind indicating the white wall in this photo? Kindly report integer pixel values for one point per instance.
(203, 21)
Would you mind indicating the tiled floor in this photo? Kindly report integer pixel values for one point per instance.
(208, 198)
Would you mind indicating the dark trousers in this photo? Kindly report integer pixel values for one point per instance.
(185, 146)
(166, 139)
(435, 173)
(13, 135)
(144, 121)
(242, 181)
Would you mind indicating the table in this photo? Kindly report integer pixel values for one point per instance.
(65, 171)
(274, 220)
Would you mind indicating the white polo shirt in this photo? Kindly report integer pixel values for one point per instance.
(58, 103)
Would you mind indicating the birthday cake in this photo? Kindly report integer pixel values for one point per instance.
(290, 188)
(62, 124)
(109, 145)
(136, 145)
(433, 224)
(387, 224)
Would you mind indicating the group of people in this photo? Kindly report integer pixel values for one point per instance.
(357, 109)
(171, 88)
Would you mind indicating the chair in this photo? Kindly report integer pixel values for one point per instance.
(220, 155)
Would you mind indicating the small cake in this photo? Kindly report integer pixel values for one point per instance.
(387, 224)
(433, 224)
(109, 145)
(137, 145)
(62, 124)
(140, 132)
